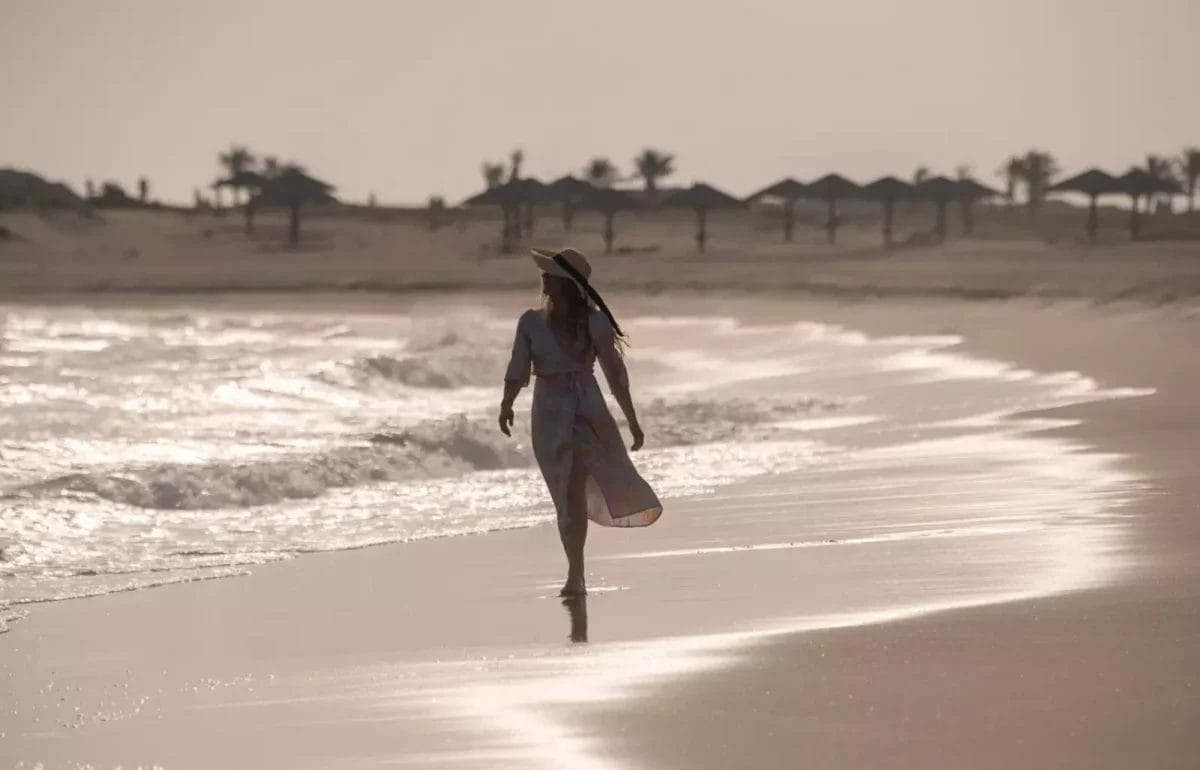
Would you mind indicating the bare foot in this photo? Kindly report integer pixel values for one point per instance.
(573, 587)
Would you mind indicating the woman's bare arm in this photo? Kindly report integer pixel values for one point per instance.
(625, 401)
(613, 364)
(511, 389)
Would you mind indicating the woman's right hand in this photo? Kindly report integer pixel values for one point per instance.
(506, 419)
(639, 438)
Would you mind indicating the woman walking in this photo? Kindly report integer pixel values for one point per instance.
(575, 439)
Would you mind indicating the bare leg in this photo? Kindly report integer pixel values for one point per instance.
(574, 531)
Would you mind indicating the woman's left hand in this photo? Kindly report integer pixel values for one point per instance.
(639, 438)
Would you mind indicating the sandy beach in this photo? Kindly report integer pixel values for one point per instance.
(1098, 678)
(453, 652)
(866, 336)
(139, 251)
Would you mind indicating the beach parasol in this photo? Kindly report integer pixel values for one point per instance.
(887, 190)
(941, 191)
(250, 181)
(1138, 183)
(701, 197)
(831, 188)
(512, 197)
(1092, 183)
(292, 189)
(569, 191)
(971, 192)
(608, 201)
(789, 191)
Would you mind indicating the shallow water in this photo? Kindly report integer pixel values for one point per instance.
(142, 447)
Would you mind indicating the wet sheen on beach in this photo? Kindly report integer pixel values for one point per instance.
(814, 476)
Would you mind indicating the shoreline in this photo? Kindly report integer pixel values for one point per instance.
(803, 288)
(1099, 678)
(653, 742)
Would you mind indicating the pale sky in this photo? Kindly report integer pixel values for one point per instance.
(406, 99)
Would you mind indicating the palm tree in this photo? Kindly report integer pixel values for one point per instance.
(515, 157)
(1138, 183)
(1038, 170)
(493, 174)
(1160, 168)
(271, 167)
(236, 161)
(1013, 172)
(652, 165)
(1189, 171)
(600, 172)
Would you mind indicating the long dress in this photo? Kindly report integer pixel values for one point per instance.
(571, 423)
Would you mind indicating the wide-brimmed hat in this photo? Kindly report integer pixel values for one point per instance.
(569, 263)
(545, 260)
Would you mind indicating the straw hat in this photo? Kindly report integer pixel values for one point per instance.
(548, 262)
(544, 259)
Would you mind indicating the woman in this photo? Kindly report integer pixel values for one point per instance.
(575, 439)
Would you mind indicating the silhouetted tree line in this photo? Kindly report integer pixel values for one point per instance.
(254, 184)
(1032, 173)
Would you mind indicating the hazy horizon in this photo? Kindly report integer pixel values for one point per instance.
(407, 101)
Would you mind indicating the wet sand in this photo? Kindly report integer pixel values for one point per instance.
(1104, 678)
(299, 664)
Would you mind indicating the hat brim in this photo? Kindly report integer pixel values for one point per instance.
(545, 261)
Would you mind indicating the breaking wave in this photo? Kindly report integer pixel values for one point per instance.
(435, 449)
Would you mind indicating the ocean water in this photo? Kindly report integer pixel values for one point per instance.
(140, 447)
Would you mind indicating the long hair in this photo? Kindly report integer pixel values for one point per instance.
(572, 318)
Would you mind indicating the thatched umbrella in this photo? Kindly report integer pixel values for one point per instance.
(504, 196)
(1092, 183)
(512, 197)
(971, 192)
(608, 201)
(940, 191)
(887, 190)
(292, 189)
(1138, 183)
(251, 181)
(831, 188)
(533, 192)
(701, 197)
(789, 191)
(570, 192)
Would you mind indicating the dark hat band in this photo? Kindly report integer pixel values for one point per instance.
(587, 287)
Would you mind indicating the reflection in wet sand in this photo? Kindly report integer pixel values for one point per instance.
(577, 609)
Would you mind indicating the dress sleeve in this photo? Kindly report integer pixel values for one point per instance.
(521, 361)
(612, 363)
